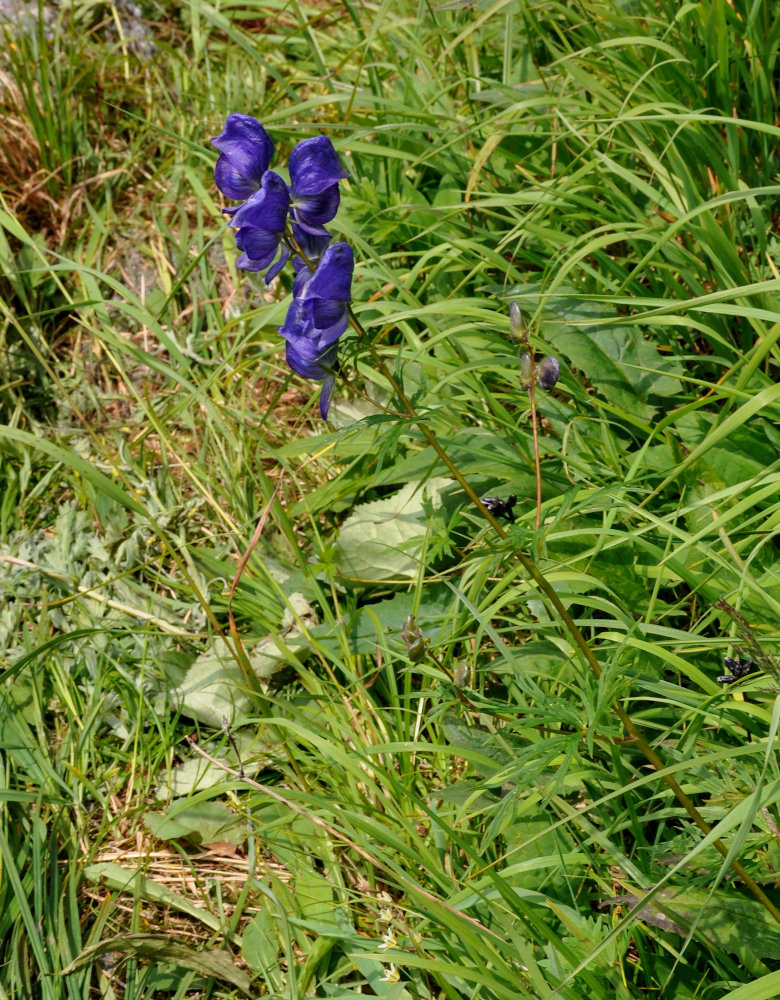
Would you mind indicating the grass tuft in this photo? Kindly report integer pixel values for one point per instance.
(282, 714)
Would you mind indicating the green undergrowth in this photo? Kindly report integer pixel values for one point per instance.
(191, 562)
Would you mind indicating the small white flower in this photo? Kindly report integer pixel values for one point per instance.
(385, 915)
(388, 940)
(392, 975)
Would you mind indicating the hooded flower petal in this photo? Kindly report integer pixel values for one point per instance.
(314, 175)
(333, 277)
(267, 207)
(325, 393)
(307, 360)
(310, 211)
(245, 154)
(318, 312)
(314, 166)
(259, 251)
(259, 248)
(329, 317)
(272, 272)
(260, 222)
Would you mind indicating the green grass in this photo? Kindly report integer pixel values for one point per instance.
(514, 812)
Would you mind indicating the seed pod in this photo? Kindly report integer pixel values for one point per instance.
(548, 371)
(525, 368)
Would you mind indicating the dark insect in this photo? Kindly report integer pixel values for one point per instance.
(738, 670)
(499, 507)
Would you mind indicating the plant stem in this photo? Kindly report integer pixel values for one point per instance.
(571, 626)
(535, 427)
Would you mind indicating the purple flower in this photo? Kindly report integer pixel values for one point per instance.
(317, 318)
(315, 173)
(548, 372)
(260, 222)
(312, 246)
(303, 357)
(245, 154)
(319, 311)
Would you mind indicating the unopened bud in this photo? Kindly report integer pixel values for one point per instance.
(515, 321)
(548, 371)
(412, 635)
(461, 674)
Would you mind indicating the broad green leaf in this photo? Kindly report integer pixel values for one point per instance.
(214, 689)
(384, 539)
(722, 917)
(259, 746)
(203, 822)
(383, 620)
(625, 367)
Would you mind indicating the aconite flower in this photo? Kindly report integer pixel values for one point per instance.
(317, 317)
(315, 172)
(260, 222)
(245, 155)
(289, 220)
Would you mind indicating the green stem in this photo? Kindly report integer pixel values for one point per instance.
(571, 626)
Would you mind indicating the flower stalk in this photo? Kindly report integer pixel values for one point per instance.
(572, 628)
(289, 220)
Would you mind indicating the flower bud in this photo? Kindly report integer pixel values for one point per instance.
(515, 320)
(414, 640)
(461, 674)
(548, 371)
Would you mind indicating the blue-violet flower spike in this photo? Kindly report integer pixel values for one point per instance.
(260, 222)
(315, 171)
(317, 318)
(319, 313)
(245, 154)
